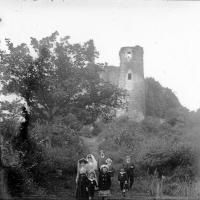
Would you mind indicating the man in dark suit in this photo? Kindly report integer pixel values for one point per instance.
(130, 169)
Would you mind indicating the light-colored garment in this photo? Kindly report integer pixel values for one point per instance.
(92, 163)
(81, 168)
(104, 193)
(108, 161)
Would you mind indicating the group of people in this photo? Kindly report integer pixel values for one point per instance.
(95, 176)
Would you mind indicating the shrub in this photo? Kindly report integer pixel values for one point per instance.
(152, 145)
(60, 144)
(86, 131)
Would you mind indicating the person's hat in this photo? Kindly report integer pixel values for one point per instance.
(104, 166)
(83, 160)
(89, 156)
(108, 160)
(92, 172)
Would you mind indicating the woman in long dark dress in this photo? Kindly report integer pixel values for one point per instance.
(82, 182)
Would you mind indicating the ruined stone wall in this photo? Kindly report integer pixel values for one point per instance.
(132, 79)
(129, 76)
(136, 101)
(110, 74)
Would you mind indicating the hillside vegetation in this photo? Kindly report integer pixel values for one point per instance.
(167, 141)
(67, 99)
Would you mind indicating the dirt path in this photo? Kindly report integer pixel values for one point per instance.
(92, 144)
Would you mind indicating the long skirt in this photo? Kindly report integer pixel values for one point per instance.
(81, 193)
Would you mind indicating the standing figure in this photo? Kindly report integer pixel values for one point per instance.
(82, 163)
(123, 181)
(92, 185)
(111, 170)
(104, 182)
(92, 163)
(101, 159)
(82, 181)
(129, 168)
(157, 183)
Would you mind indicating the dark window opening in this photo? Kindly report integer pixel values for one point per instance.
(129, 76)
(128, 55)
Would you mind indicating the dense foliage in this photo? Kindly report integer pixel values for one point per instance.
(59, 83)
(155, 145)
(167, 142)
(159, 100)
(61, 78)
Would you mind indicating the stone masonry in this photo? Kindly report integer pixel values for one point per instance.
(129, 76)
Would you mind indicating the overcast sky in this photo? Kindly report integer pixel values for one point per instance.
(169, 32)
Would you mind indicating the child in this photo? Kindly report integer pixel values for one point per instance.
(104, 182)
(111, 170)
(92, 186)
(101, 159)
(82, 181)
(123, 180)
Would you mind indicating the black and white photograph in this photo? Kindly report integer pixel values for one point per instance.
(99, 100)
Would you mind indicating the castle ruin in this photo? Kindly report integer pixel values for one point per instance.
(129, 76)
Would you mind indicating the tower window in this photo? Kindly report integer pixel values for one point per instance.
(129, 76)
(128, 55)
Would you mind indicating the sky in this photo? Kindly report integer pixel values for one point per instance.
(168, 31)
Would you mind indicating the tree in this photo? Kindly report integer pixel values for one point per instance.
(61, 86)
(11, 110)
(159, 100)
(63, 78)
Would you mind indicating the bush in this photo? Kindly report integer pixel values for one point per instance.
(152, 144)
(159, 99)
(97, 128)
(51, 146)
(60, 144)
(86, 131)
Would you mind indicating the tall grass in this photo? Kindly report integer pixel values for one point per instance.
(154, 145)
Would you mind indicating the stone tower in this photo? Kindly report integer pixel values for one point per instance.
(131, 78)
